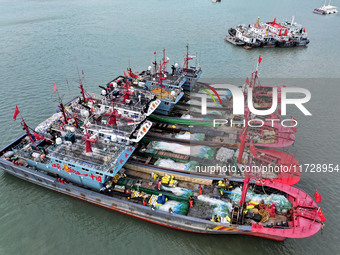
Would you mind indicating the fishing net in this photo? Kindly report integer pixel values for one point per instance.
(169, 163)
(205, 152)
(178, 191)
(177, 207)
(224, 154)
(188, 136)
(220, 208)
(281, 202)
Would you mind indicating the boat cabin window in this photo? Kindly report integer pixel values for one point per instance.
(84, 169)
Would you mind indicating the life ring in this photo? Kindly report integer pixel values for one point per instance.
(93, 109)
(78, 106)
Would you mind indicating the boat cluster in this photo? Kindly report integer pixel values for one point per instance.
(139, 146)
(268, 35)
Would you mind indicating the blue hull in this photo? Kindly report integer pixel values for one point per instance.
(166, 106)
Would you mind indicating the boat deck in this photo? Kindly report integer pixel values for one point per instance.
(102, 157)
(163, 94)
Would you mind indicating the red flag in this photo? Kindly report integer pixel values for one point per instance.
(322, 217)
(260, 59)
(154, 53)
(247, 80)
(16, 112)
(252, 148)
(54, 88)
(317, 196)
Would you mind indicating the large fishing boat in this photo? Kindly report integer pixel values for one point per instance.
(181, 201)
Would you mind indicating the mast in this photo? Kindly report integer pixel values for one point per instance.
(62, 109)
(186, 60)
(244, 191)
(82, 92)
(162, 71)
(247, 176)
(242, 145)
(24, 125)
(113, 120)
(155, 63)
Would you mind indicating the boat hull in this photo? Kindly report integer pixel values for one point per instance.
(165, 219)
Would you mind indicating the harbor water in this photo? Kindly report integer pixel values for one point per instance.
(42, 42)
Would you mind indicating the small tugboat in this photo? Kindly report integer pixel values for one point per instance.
(234, 40)
(326, 9)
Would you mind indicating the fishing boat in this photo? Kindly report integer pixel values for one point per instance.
(129, 101)
(190, 150)
(175, 200)
(191, 73)
(87, 115)
(165, 86)
(205, 160)
(263, 133)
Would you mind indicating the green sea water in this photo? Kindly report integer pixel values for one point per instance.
(46, 41)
